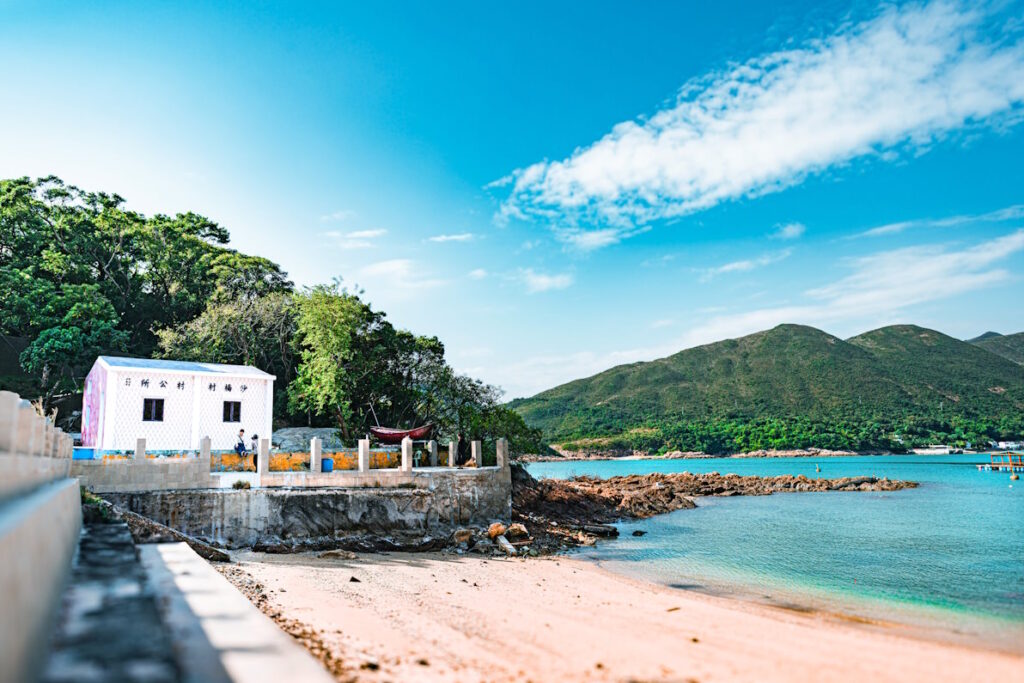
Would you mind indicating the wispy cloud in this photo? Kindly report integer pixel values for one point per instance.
(457, 237)
(356, 239)
(1000, 215)
(477, 274)
(662, 260)
(744, 265)
(542, 282)
(398, 278)
(663, 323)
(337, 216)
(589, 240)
(790, 231)
(897, 82)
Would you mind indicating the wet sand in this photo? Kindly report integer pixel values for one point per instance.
(439, 617)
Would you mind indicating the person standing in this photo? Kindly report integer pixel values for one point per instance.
(255, 450)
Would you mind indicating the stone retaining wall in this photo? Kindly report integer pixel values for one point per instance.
(431, 501)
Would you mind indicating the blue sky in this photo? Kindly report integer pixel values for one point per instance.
(553, 189)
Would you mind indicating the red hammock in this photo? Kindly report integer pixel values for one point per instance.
(389, 435)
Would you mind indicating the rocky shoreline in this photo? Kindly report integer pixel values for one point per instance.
(562, 513)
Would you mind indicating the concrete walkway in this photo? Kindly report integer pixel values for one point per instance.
(162, 614)
(221, 635)
(110, 628)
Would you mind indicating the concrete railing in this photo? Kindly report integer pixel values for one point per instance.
(40, 518)
(34, 450)
(139, 473)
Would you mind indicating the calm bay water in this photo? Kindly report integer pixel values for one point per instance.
(945, 557)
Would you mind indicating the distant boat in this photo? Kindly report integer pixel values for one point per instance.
(390, 435)
(933, 449)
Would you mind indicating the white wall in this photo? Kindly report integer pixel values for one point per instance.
(255, 418)
(123, 418)
(184, 421)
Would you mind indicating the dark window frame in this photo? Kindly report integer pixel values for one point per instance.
(152, 410)
(232, 411)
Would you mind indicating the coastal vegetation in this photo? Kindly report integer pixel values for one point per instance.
(81, 276)
(792, 387)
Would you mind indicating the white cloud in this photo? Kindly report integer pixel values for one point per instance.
(744, 265)
(790, 231)
(878, 289)
(543, 282)
(1008, 213)
(477, 274)
(397, 278)
(458, 237)
(337, 216)
(357, 239)
(880, 286)
(663, 323)
(909, 76)
(589, 240)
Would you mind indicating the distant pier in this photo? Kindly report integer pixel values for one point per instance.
(1003, 462)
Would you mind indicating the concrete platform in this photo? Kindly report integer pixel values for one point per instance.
(219, 635)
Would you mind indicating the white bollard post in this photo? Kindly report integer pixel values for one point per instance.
(263, 457)
(502, 453)
(8, 421)
(432, 449)
(477, 453)
(453, 454)
(407, 454)
(205, 452)
(58, 437)
(364, 455)
(52, 436)
(316, 448)
(140, 450)
(39, 431)
(25, 443)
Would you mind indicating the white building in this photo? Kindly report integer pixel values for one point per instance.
(173, 404)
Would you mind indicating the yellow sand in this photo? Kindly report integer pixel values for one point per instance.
(434, 617)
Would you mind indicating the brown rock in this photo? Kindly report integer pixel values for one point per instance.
(339, 555)
(463, 535)
(515, 531)
(495, 530)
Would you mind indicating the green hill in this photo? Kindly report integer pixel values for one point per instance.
(1009, 346)
(791, 387)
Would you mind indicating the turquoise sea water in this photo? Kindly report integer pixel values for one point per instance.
(946, 558)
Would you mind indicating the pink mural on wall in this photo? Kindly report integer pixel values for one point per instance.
(92, 405)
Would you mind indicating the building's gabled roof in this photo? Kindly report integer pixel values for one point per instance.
(182, 366)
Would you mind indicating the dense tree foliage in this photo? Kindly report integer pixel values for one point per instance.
(81, 276)
(793, 387)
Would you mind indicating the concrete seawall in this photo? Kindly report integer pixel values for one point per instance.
(433, 502)
(40, 517)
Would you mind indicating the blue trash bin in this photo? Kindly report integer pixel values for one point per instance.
(327, 464)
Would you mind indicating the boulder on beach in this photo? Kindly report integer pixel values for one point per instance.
(496, 529)
(515, 531)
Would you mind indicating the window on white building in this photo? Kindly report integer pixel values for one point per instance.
(232, 411)
(152, 410)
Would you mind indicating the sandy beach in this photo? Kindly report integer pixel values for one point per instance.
(436, 617)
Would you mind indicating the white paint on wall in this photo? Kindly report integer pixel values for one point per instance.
(193, 396)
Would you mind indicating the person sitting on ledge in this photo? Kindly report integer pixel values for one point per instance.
(240, 445)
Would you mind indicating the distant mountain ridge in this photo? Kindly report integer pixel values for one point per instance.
(794, 387)
(1009, 346)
